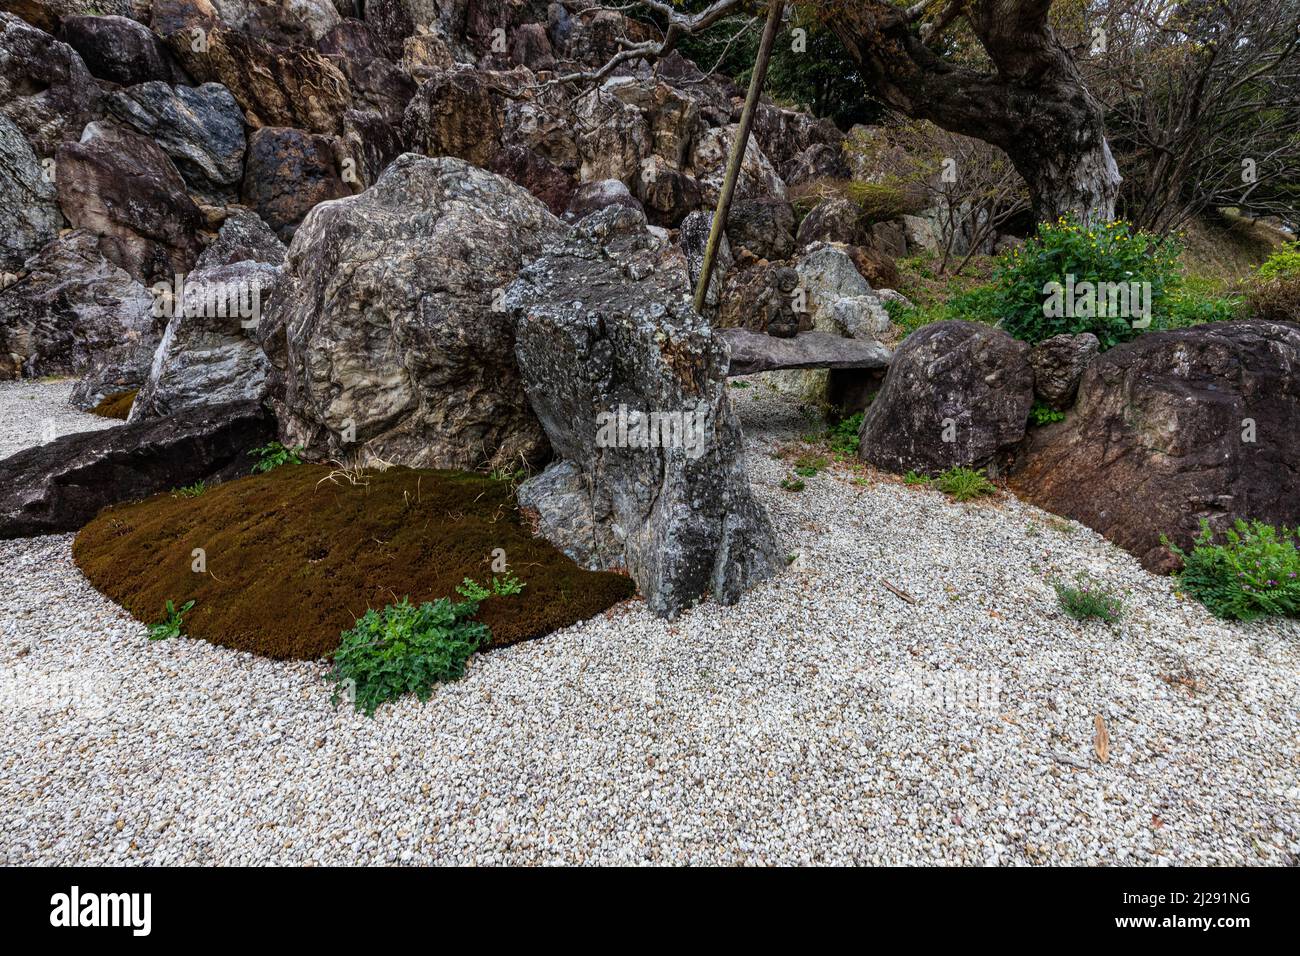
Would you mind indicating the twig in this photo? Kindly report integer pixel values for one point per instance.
(899, 591)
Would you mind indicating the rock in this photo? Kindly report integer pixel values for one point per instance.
(244, 237)
(541, 177)
(384, 330)
(757, 179)
(1059, 363)
(676, 510)
(879, 270)
(200, 128)
(455, 113)
(29, 215)
(861, 317)
(919, 235)
(59, 486)
(753, 352)
(787, 137)
(666, 194)
(759, 299)
(590, 197)
(289, 172)
(379, 85)
(371, 143)
(283, 23)
(612, 137)
(694, 238)
(957, 393)
(121, 50)
(209, 353)
(818, 162)
(827, 274)
(763, 226)
(531, 47)
(45, 88)
(46, 14)
(293, 86)
(1173, 427)
(673, 117)
(76, 313)
(887, 239)
(426, 53)
(834, 219)
(194, 17)
(353, 40)
(124, 188)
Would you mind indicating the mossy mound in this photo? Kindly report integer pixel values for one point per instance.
(117, 405)
(294, 556)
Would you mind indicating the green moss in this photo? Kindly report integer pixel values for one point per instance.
(297, 555)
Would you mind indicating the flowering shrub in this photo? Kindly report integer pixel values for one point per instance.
(1255, 572)
(1069, 278)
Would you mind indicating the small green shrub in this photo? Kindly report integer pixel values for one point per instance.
(1088, 600)
(274, 455)
(1255, 571)
(793, 484)
(191, 491)
(503, 586)
(914, 477)
(1044, 414)
(842, 437)
(1111, 252)
(881, 202)
(1282, 264)
(172, 625)
(405, 649)
(807, 466)
(964, 484)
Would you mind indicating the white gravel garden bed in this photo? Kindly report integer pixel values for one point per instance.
(822, 719)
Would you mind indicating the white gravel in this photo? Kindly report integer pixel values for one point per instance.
(823, 719)
(33, 412)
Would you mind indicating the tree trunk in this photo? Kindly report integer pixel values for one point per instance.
(1036, 106)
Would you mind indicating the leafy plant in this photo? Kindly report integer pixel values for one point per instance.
(914, 477)
(274, 455)
(842, 437)
(1044, 414)
(806, 466)
(171, 625)
(1283, 263)
(1087, 600)
(1254, 572)
(405, 649)
(964, 484)
(509, 584)
(737, 383)
(191, 491)
(793, 484)
(1111, 252)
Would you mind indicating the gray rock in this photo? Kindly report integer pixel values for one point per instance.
(209, 353)
(763, 226)
(589, 197)
(957, 393)
(757, 179)
(834, 219)
(242, 237)
(753, 352)
(61, 485)
(608, 345)
(29, 215)
(76, 313)
(1059, 364)
(827, 275)
(694, 238)
(45, 88)
(200, 128)
(386, 329)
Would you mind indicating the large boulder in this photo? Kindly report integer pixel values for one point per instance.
(59, 486)
(121, 186)
(1059, 363)
(29, 214)
(200, 128)
(76, 313)
(757, 179)
(1174, 427)
(290, 86)
(957, 393)
(590, 197)
(763, 226)
(455, 113)
(760, 299)
(834, 219)
(288, 172)
(121, 50)
(389, 330)
(209, 353)
(46, 14)
(243, 237)
(45, 88)
(630, 385)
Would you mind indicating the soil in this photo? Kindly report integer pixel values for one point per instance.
(117, 405)
(294, 556)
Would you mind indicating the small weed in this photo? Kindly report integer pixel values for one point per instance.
(1088, 600)
(842, 437)
(735, 383)
(1043, 414)
(806, 466)
(499, 587)
(171, 625)
(964, 484)
(793, 484)
(274, 455)
(914, 477)
(191, 491)
(1255, 572)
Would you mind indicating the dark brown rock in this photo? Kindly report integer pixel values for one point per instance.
(1174, 427)
(541, 177)
(122, 187)
(455, 113)
(121, 50)
(763, 226)
(61, 485)
(1059, 363)
(45, 88)
(288, 171)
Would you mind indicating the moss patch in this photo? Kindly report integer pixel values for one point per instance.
(296, 555)
(117, 405)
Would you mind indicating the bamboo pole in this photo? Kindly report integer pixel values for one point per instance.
(738, 150)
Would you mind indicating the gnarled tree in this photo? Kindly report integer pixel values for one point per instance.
(1027, 95)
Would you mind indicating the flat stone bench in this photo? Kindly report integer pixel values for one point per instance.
(753, 352)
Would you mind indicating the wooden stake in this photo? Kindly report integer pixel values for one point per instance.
(734, 163)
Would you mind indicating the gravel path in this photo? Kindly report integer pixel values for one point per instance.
(823, 719)
(32, 412)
